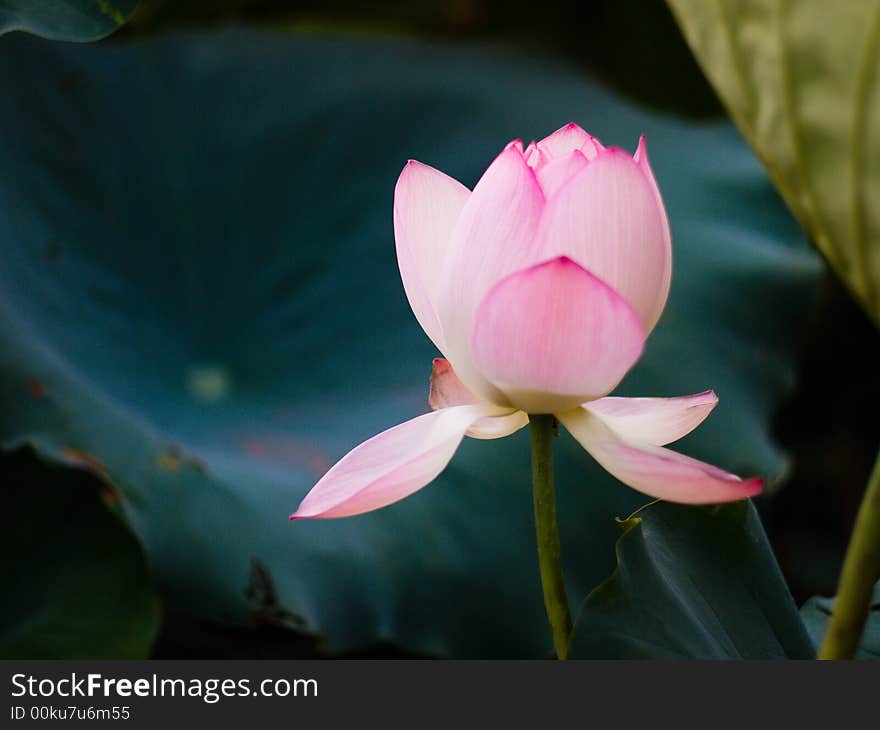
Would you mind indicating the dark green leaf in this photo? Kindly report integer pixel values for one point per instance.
(75, 579)
(692, 583)
(65, 20)
(199, 269)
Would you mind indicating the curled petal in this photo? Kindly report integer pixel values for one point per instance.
(392, 465)
(607, 219)
(657, 421)
(427, 204)
(554, 335)
(654, 470)
(567, 139)
(493, 236)
(447, 390)
(496, 427)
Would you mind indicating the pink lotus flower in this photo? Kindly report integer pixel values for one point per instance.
(539, 287)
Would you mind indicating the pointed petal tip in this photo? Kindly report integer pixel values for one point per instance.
(704, 398)
(514, 144)
(752, 487)
(640, 157)
(567, 138)
(641, 149)
(657, 471)
(391, 465)
(416, 166)
(657, 421)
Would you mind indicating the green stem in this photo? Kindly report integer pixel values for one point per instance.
(861, 570)
(547, 530)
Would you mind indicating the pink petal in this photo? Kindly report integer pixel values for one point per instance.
(447, 390)
(494, 236)
(427, 204)
(567, 139)
(657, 421)
(607, 219)
(658, 472)
(392, 465)
(496, 427)
(641, 159)
(553, 335)
(556, 173)
(533, 156)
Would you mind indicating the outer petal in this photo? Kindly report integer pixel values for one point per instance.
(607, 219)
(392, 465)
(427, 204)
(656, 471)
(554, 335)
(567, 139)
(447, 390)
(641, 159)
(493, 237)
(657, 421)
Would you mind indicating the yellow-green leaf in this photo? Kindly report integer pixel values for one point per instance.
(800, 81)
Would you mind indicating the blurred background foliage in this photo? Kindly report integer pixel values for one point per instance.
(72, 20)
(75, 579)
(822, 422)
(632, 45)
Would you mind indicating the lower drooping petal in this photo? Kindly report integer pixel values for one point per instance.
(553, 336)
(657, 421)
(658, 472)
(393, 464)
(447, 391)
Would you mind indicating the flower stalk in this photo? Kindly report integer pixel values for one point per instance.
(547, 532)
(861, 570)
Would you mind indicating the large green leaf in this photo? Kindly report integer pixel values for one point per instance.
(817, 611)
(75, 579)
(692, 583)
(800, 80)
(65, 20)
(199, 270)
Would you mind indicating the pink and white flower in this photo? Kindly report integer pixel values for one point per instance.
(539, 287)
